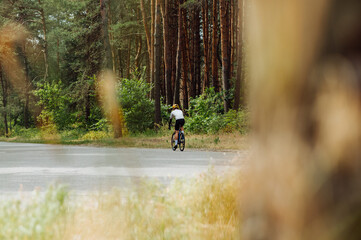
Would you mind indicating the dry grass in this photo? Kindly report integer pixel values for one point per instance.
(222, 141)
(200, 208)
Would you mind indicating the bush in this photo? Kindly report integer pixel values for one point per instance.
(236, 121)
(138, 109)
(30, 133)
(96, 135)
(207, 115)
(53, 102)
(205, 112)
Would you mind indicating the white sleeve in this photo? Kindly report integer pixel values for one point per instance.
(171, 115)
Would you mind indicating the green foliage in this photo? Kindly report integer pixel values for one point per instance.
(96, 135)
(207, 115)
(236, 121)
(207, 104)
(101, 125)
(53, 102)
(30, 133)
(138, 109)
(46, 120)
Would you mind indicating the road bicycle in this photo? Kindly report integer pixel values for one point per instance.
(181, 141)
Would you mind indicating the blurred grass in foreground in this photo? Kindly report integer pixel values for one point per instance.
(200, 208)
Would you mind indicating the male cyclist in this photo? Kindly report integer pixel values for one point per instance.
(179, 122)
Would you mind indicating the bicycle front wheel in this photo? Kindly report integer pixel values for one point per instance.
(172, 142)
(182, 141)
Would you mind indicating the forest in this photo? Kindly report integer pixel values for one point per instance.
(116, 66)
(161, 52)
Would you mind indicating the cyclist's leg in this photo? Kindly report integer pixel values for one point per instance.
(176, 136)
(181, 126)
(176, 128)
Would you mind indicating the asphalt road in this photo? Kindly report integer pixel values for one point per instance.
(27, 167)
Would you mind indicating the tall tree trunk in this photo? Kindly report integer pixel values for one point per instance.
(4, 87)
(225, 45)
(178, 57)
(146, 28)
(121, 75)
(239, 98)
(87, 106)
(205, 43)
(58, 56)
(173, 11)
(139, 52)
(111, 37)
(157, 64)
(232, 21)
(107, 62)
(148, 38)
(46, 55)
(215, 79)
(191, 48)
(128, 58)
(152, 30)
(27, 88)
(167, 52)
(197, 51)
(184, 59)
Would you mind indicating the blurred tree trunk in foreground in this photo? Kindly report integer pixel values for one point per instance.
(306, 110)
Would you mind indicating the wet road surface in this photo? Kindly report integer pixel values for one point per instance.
(27, 167)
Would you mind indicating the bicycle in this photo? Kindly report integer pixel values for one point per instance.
(181, 141)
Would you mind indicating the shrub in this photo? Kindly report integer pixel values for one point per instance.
(53, 102)
(30, 133)
(96, 135)
(207, 115)
(205, 112)
(46, 121)
(236, 121)
(138, 109)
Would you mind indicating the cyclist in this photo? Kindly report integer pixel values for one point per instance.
(179, 122)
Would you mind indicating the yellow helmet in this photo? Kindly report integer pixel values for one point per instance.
(175, 106)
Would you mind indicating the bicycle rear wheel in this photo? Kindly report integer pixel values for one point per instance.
(172, 142)
(182, 141)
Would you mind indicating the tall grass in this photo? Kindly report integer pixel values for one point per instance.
(200, 208)
(43, 216)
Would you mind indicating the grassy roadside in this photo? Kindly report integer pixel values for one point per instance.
(201, 208)
(160, 139)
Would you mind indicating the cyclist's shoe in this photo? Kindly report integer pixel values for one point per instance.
(175, 147)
